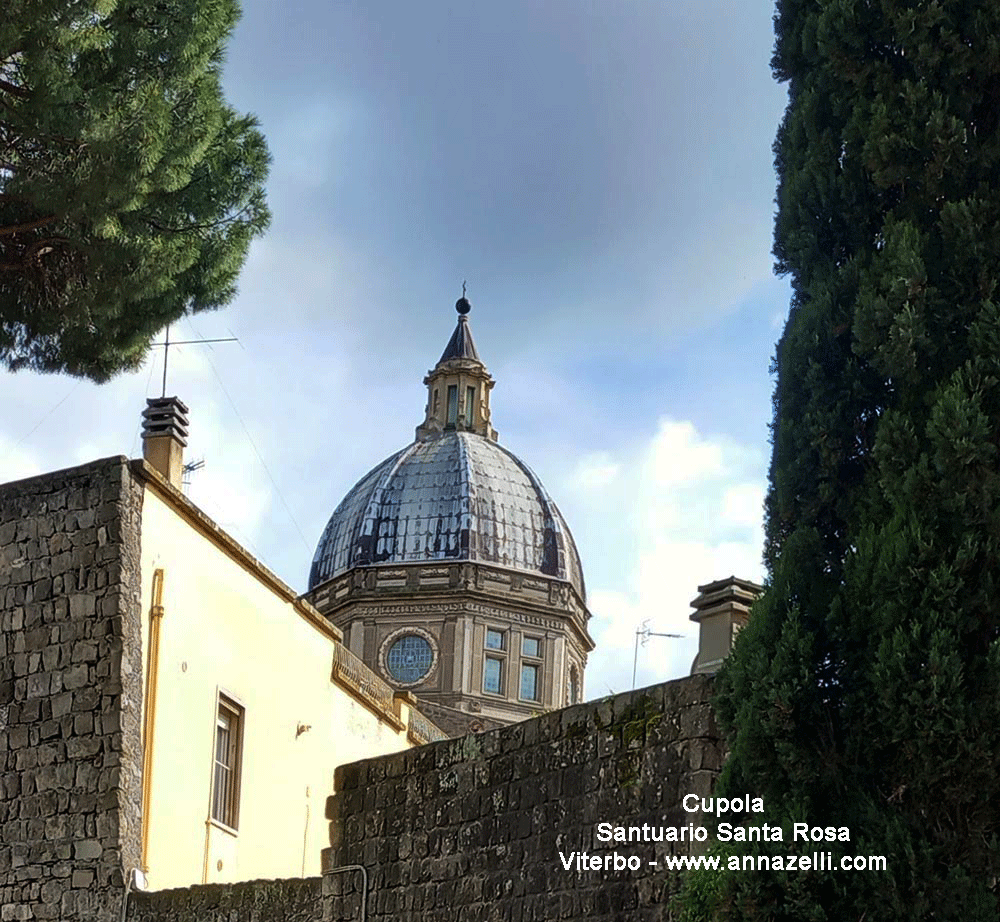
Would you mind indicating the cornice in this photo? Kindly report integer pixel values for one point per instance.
(205, 526)
(439, 589)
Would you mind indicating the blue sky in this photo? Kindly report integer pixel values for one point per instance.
(601, 174)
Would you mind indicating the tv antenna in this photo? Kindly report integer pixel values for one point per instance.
(188, 469)
(645, 633)
(183, 342)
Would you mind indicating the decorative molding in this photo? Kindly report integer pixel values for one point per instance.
(463, 575)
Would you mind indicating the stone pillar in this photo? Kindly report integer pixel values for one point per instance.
(70, 692)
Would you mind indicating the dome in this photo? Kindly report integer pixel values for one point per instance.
(455, 496)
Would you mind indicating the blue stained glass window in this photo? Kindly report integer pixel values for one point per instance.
(529, 683)
(493, 676)
(494, 640)
(409, 658)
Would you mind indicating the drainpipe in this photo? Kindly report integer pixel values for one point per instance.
(364, 883)
(149, 712)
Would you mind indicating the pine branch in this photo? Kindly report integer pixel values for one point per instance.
(38, 248)
(14, 90)
(27, 226)
(228, 219)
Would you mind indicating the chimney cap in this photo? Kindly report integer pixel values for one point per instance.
(165, 416)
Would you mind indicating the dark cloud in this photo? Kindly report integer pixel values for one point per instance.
(565, 146)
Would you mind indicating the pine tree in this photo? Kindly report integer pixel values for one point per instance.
(129, 189)
(865, 691)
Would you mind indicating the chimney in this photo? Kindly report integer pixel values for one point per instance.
(164, 436)
(721, 609)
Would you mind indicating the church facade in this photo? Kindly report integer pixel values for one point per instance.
(451, 571)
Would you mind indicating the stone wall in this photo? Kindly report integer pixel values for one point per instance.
(257, 901)
(70, 691)
(472, 829)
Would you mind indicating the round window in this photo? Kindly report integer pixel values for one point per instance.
(409, 658)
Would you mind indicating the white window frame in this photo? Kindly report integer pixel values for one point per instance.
(227, 766)
(498, 655)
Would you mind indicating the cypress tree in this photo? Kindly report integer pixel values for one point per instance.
(129, 189)
(865, 691)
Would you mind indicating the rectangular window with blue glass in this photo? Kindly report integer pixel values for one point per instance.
(493, 675)
(529, 682)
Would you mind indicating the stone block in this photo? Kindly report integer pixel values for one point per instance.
(76, 676)
(51, 891)
(82, 880)
(82, 605)
(61, 704)
(88, 849)
(85, 652)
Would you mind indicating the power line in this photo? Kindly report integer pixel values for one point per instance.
(37, 425)
(253, 444)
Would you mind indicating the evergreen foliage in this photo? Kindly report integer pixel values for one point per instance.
(865, 691)
(129, 189)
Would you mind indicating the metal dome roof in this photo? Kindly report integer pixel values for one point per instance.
(458, 496)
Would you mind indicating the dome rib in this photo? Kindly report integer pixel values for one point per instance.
(465, 489)
(557, 558)
(374, 518)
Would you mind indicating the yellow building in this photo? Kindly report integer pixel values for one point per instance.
(251, 702)
(160, 686)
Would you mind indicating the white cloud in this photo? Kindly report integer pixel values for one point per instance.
(743, 503)
(595, 471)
(678, 456)
(695, 515)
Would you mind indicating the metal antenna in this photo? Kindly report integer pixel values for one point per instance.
(189, 469)
(645, 633)
(183, 342)
(166, 352)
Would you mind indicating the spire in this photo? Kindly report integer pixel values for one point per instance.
(458, 389)
(461, 345)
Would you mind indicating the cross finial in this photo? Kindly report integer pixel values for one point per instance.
(462, 305)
